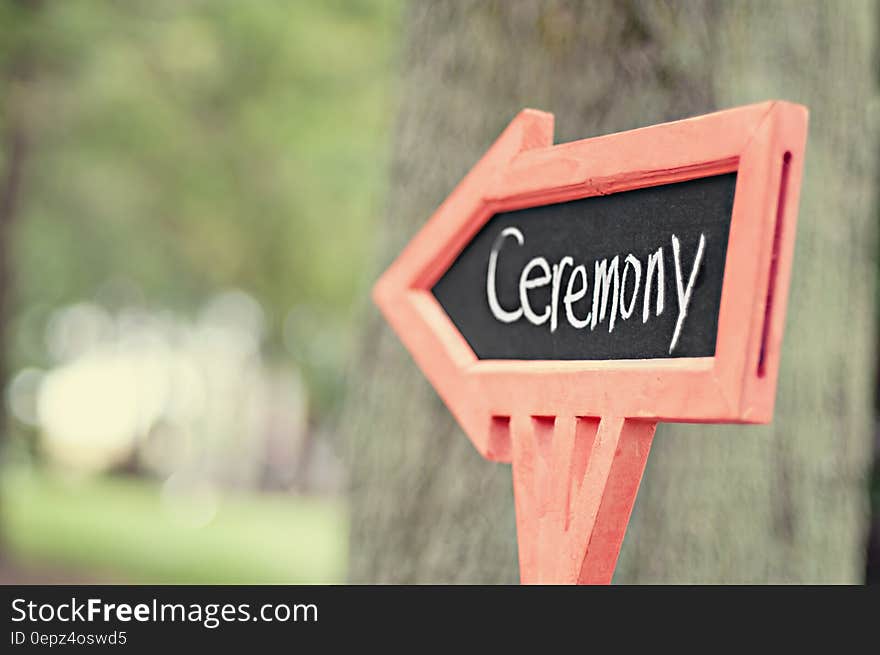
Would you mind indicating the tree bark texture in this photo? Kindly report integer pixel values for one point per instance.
(781, 503)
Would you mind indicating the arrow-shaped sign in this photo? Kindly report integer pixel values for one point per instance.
(565, 298)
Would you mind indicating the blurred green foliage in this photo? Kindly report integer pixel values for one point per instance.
(176, 149)
(121, 530)
(181, 146)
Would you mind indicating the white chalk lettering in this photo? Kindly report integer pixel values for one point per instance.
(626, 312)
(616, 292)
(602, 278)
(497, 310)
(526, 283)
(571, 297)
(554, 295)
(684, 295)
(655, 261)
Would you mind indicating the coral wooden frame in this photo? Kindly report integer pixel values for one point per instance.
(523, 169)
(764, 143)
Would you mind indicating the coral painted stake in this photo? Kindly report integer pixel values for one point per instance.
(575, 481)
(566, 298)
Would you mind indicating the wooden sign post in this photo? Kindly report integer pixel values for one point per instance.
(564, 299)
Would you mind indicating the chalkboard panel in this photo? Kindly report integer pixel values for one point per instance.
(631, 275)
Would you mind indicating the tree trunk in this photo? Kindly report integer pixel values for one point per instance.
(16, 72)
(718, 503)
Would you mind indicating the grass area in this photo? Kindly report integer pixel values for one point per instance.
(124, 531)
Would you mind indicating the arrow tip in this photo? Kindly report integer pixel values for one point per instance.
(533, 127)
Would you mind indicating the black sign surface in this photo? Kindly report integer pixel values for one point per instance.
(631, 275)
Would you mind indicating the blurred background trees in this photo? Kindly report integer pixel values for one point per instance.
(195, 200)
(186, 211)
(782, 503)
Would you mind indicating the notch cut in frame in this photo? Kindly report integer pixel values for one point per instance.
(774, 260)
